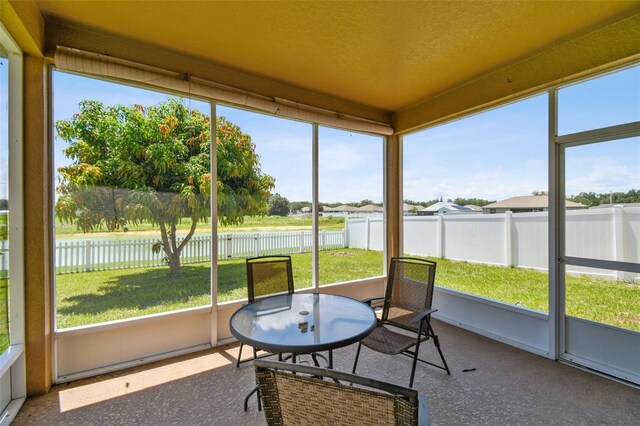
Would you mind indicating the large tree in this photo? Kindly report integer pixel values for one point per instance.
(278, 205)
(132, 164)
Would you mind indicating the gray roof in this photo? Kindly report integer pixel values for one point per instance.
(341, 208)
(370, 208)
(443, 204)
(528, 202)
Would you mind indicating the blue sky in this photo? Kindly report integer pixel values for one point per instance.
(493, 155)
(503, 152)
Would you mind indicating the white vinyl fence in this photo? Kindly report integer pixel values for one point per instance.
(4, 258)
(102, 254)
(509, 239)
(506, 239)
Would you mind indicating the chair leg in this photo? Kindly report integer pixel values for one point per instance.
(355, 363)
(259, 399)
(314, 357)
(246, 398)
(415, 362)
(436, 342)
(239, 356)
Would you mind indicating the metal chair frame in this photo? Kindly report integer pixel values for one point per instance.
(250, 262)
(422, 319)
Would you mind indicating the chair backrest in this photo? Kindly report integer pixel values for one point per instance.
(268, 275)
(316, 396)
(409, 290)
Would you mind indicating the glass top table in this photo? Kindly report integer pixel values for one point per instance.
(277, 323)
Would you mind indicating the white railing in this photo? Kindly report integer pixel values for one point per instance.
(105, 254)
(514, 239)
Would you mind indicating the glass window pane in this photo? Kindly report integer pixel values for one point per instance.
(475, 202)
(600, 102)
(351, 234)
(4, 203)
(604, 296)
(605, 177)
(132, 207)
(277, 220)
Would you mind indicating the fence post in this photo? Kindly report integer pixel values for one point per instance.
(4, 253)
(257, 250)
(301, 241)
(508, 242)
(440, 237)
(345, 238)
(368, 233)
(229, 246)
(87, 255)
(618, 237)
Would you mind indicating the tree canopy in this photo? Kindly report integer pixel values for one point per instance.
(132, 164)
(592, 199)
(278, 205)
(297, 206)
(474, 201)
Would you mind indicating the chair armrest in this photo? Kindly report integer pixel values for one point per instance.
(424, 419)
(368, 300)
(422, 315)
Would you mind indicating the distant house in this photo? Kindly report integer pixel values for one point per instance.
(369, 208)
(526, 204)
(410, 208)
(442, 207)
(476, 209)
(339, 209)
(342, 210)
(306, 209)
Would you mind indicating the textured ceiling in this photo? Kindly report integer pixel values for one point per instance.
(388, 55)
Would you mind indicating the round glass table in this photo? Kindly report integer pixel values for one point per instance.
(302, 323)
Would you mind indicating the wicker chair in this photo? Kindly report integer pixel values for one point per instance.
(266, 275)
(294, 394)
(407, 305)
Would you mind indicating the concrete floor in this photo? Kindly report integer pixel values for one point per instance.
(507, 387)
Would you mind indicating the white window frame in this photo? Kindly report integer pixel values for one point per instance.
(12, 361)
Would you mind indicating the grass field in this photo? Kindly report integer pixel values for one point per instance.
(4, 317)
(250, 224)
(94, 297)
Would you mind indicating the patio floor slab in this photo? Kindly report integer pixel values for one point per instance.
(505, 386)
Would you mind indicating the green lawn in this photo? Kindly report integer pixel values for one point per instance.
(92, 297)
(4, 317)
(250, 224)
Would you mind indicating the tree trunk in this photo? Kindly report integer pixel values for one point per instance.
(174, 265)
(170, 246)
